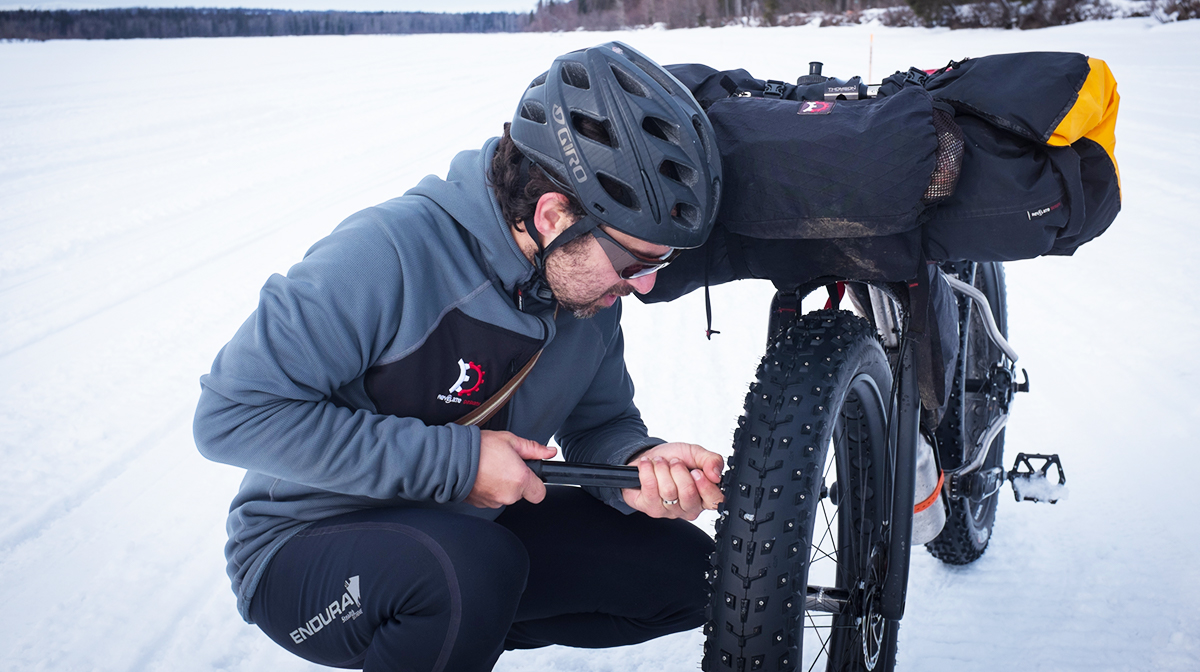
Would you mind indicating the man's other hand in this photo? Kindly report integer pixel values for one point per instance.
(679, 480)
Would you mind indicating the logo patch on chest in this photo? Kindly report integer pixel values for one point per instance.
(461, 364)
(470, 378)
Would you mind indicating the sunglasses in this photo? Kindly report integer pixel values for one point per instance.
(629, 264)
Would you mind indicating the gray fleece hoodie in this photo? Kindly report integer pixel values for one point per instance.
(336, 393)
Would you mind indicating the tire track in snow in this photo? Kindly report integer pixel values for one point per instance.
(32, 526)
(235, 240)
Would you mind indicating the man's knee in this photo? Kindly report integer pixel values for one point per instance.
(488, 578)
(681, 551)
(499, 562)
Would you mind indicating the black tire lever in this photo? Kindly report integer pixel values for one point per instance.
(582, 473)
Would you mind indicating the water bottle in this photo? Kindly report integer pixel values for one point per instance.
(929, 511)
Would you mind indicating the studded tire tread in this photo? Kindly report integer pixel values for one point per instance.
(776, 476)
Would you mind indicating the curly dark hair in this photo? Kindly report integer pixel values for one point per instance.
(518, 198)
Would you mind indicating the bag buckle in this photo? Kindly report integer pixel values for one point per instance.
(918, 77)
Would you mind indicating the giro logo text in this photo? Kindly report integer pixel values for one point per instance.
(568, 145)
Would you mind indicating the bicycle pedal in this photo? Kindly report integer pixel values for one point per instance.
(1034, 484)
(1023, 386)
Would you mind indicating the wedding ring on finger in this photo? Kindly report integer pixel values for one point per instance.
(670, 502)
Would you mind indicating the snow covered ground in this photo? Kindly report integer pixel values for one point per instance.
(147, 189)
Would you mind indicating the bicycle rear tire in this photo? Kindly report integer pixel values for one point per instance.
(806, 500)
(969, 524)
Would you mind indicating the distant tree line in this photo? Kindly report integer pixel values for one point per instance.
(549, 15)
(114, 24)
(1023, 14)
(563, 15)
(615, 14)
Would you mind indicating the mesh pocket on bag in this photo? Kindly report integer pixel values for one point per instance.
(949, 157)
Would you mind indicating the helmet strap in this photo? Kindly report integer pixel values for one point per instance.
(539, 284)
(580, 228)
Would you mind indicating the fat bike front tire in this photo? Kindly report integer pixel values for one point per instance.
(969, 524)
(801, 544)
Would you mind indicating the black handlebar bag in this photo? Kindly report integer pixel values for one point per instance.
(992, 159)
(817, 189)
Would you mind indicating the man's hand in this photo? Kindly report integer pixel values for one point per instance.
(503, 478)
(685, 475)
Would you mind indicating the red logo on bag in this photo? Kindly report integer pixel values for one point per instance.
(1042, 211)
(815, 107)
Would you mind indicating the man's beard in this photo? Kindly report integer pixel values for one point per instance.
(567, 273)
(583, 311)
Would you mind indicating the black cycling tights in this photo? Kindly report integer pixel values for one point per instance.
(402, 589)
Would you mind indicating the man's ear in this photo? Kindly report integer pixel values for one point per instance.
(552, 217)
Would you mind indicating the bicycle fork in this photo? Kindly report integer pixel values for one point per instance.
(905, 425)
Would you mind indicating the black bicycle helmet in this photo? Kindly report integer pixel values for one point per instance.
(628, 139)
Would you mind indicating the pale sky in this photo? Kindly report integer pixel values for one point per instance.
(299, 5)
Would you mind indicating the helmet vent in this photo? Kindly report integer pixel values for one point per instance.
(630, 83)
(539, 80)
(661, 129)
(593, 129)
(714, 198)
(618, 191)
(654, 71)
(686, 215)
(533, 111)
(699, 126)
(678, 172)
(576, 75)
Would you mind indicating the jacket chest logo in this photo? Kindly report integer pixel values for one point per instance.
(462, 362)
(470, 379)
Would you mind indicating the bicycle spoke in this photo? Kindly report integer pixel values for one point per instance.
(816, 630)
(827, 534)
(821, 554)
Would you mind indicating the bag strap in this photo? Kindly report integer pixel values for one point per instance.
(492, 406)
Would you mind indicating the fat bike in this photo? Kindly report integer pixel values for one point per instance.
(837, 471)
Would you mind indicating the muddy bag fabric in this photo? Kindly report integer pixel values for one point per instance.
(820, 170)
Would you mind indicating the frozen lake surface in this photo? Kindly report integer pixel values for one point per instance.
(148, 188)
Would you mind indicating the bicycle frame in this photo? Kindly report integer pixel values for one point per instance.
(891, 319)
(905, 419)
